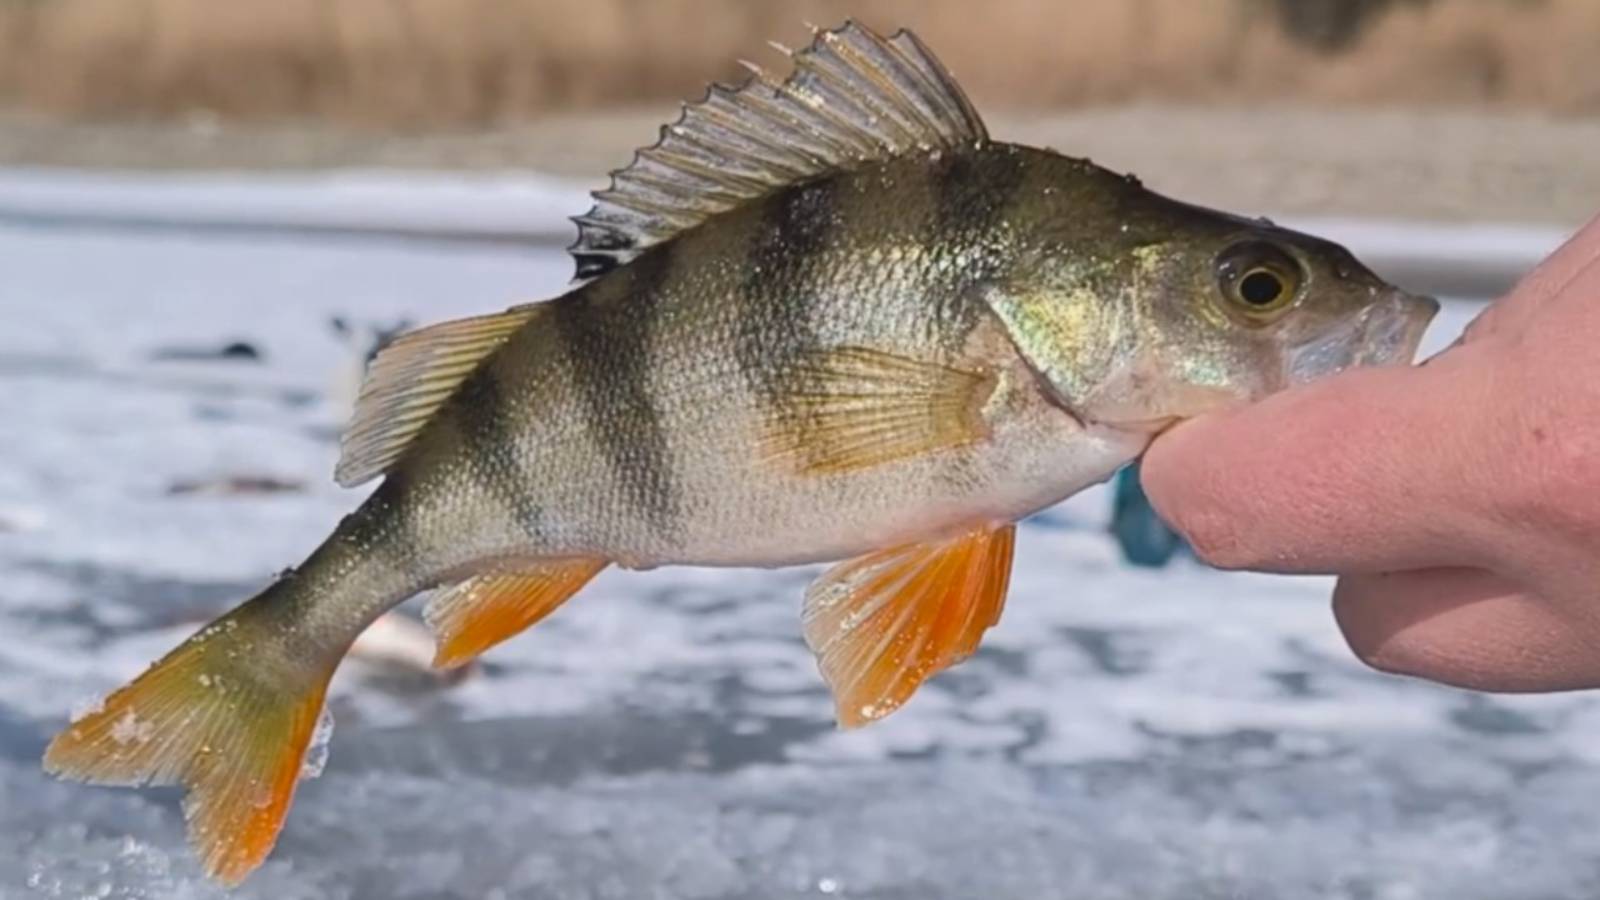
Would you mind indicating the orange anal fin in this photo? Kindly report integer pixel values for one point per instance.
(487, 609)
(884, 623)
(235, 739)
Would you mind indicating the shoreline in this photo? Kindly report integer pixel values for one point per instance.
(1419, 165)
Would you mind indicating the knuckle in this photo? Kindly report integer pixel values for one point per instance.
(1376, 642)
(1365, 642)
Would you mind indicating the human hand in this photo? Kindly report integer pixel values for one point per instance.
(1458, 501)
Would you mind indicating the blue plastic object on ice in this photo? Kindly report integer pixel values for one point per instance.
(1145, 539)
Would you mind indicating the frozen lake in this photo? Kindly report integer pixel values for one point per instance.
(1123, 734)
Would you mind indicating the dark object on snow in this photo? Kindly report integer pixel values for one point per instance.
(1332, 25)
(370, 337)
(242, 351)
(237, 484)
(1145, 539)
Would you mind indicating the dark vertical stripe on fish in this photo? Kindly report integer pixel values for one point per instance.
(973, 191)
(779, 290)
(484, 419)
(607, 338)
(972, 194)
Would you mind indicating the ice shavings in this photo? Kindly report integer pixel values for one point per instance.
(316, 757)
(130, 729)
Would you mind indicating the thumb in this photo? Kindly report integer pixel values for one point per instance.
(1370, 470)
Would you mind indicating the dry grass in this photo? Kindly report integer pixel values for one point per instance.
(470, 62)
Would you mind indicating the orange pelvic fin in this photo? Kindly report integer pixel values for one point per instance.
(204, 717)
(884, 623)
(487, 609)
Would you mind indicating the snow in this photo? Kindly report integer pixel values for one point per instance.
(128, 729)
(1123, 733)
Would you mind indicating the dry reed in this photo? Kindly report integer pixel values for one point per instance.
(452, 63)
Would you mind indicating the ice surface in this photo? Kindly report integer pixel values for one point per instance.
(505, 205)
(515, 205)
(1123, 734)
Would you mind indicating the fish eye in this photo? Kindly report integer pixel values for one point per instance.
(1260, 287)
(1258, 278)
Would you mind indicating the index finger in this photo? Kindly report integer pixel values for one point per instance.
(1368, 471)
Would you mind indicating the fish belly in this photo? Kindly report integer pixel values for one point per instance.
(724, 502)
(753, 514)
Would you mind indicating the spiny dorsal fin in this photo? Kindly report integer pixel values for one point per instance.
(408, 382)
(854, 97)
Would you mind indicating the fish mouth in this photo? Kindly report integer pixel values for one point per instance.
(1386, 333)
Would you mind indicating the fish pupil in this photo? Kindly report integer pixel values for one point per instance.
(1260, 288)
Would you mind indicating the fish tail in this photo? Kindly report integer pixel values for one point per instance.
(228, 715)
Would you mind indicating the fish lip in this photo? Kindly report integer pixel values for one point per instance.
(1393, 331)
(1386, 333)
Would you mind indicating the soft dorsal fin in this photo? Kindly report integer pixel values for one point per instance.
(407, 383)
(853, 97)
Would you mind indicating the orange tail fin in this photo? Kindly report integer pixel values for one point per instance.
(215, 717)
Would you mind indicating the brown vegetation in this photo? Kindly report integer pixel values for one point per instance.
(471, 62)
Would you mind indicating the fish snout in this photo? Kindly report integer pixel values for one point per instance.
(1387, 332)
(1393, 328)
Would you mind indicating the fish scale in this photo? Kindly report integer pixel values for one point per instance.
(824, 318)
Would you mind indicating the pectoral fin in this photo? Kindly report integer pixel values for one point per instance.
(884, 623)
(483, 611)
(852, 408)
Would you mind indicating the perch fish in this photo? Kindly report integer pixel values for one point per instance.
(824, 318)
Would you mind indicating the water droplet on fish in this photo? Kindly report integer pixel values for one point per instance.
(827, 886)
